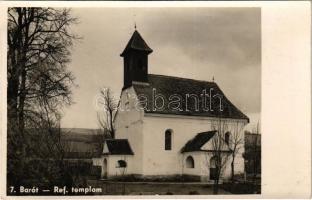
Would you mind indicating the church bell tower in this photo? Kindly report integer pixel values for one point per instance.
(135, 57)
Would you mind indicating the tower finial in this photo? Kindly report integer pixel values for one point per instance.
(213, 78)
(134, 16)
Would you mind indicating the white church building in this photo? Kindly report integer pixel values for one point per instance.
(164, 124)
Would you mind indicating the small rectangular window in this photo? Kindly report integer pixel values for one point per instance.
(168, 140)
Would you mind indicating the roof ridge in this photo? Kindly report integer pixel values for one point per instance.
(182, 78)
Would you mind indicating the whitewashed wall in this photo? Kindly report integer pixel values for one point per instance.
(146, 135)
(112, 165)
(156, 159)
(198, 160)
(115, 170)
(129, 125)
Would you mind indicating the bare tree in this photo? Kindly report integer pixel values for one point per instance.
(108, 105)
(252, 154)
(235, 142)
(256, 152)
(39, 84)
(220, 150)
(45, 159)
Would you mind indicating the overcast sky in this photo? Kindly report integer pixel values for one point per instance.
(196, 43)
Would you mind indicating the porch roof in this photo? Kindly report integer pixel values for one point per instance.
(198, 141)
(118, 147)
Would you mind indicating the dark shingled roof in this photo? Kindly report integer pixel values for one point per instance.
(119, 147)
(198, 141)
(168, 85)
(136, 42)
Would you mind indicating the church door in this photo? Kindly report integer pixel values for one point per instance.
(213, 168)
(104, 168)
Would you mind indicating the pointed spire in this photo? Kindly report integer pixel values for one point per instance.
(213, 78)
(136, 42)
(135, 26)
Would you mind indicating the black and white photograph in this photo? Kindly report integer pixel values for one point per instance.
(133, 101)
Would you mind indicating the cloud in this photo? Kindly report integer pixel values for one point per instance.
(223, 36)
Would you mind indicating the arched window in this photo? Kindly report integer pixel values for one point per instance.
(189, 162)
(121, 163)
(168, 139)
(227, 137)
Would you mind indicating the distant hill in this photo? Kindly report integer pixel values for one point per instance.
(79, 143)
(81, 134)
(82, 142)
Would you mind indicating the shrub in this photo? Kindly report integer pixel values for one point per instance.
(194, 193)
(96, 171)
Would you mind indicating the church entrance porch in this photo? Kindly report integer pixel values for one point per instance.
(104, 169)
(203, 164)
